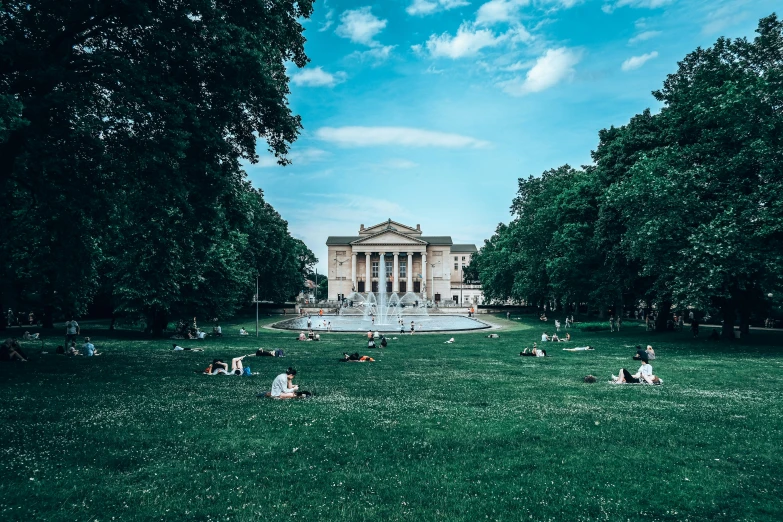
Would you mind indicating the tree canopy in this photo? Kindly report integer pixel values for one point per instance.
(682, 207)
(122, 128)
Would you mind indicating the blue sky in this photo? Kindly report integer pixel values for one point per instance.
(428, 111)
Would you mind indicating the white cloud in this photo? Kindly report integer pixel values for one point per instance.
(499, 11)
(425, 7)
(550, 69)
(641, 37)
(360, 26)
(297, 157)
(376, 54)
(328, 21)
(723, 17)
(317, 77)
(469, 40)
(645, 4)
(634, 62)
(401, 136)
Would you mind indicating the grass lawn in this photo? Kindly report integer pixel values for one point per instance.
(466, 431)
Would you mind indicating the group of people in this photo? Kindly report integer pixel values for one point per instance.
(311, 336)
(23, 318)
(645, 372)
(554, 338)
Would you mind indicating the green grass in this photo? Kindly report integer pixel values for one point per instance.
(467, 431)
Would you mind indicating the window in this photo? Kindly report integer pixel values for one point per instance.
(389, 268)
(463, 258)
(455, 258)
(403, 269)
(375, 269)
(456, 266)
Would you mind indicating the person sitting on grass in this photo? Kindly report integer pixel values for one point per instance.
(89, 348)
(301, 337)
(566, 339)
(282, 387)
(545, 337)
(10, 350)
(355, 357)
(650, 352)
(579, 349)
(644, 375)
(72, 350)
(242, 331)
(555, 338)
(370, 343)
(641, 355)
(384, 342)
(31, 337)
(310, 335)
(217, 331)
(178, 348)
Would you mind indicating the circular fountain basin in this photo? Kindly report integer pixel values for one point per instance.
(356, 323)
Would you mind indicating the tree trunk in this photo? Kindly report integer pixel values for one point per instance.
(729, 314)
(744, 317)
(113, 320)
(48, 316)
(664, 314)
(157, 320)
(602, 311)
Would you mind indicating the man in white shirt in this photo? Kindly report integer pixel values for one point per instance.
(545, 337)
(71, 331)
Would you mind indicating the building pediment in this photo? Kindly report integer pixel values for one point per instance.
(389, 237)
(390, 225)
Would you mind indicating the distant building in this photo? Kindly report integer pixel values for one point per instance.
(430, 266)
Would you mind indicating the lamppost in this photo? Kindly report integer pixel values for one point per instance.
(432, 278)
(257, 305)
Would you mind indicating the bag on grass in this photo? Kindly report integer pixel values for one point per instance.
(247, 371)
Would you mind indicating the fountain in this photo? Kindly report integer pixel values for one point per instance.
(385, 312)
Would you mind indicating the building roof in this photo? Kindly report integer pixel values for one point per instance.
(432, 240)
(341, 240)
(464, 248)
(437, 240)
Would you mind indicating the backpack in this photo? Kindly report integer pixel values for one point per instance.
(247, 371)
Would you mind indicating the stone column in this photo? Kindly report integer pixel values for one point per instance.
(367, 273)
(353, 271)
(424, 274)
(410, 273)
(382, 282)
(396, 279)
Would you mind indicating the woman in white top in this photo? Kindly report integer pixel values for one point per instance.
(644, 374)
(282, 388)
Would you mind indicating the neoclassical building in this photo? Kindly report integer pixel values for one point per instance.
(430, 266)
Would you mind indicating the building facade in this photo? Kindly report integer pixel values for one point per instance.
(429, 266)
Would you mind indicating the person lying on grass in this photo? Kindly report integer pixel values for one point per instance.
(644, 375)
(269, 353)
(177, 348)
(534, 352)
(579, 349)
(355, 357)
(566, 339)
(218, 367)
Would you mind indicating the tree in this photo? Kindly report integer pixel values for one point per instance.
(144, 109)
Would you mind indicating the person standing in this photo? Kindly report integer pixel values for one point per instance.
(413, 328)
(611, 323)
(71, 331)
(508, 315)
(10, 317)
